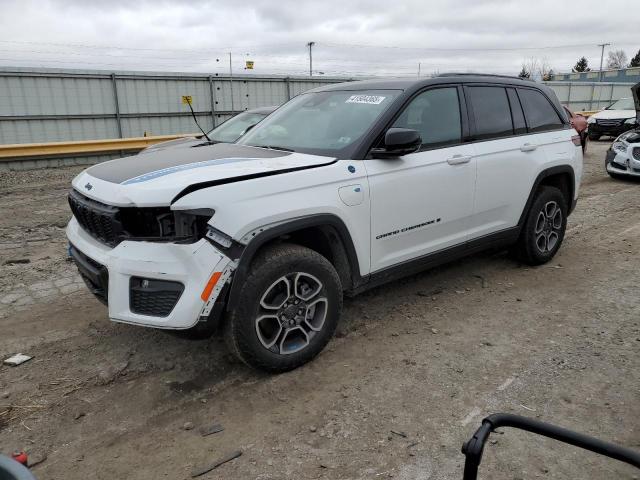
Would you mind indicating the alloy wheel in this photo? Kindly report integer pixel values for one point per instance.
(548, 227)
(292, 311)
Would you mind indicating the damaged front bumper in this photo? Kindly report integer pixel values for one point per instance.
(622, 161)
(162, 285)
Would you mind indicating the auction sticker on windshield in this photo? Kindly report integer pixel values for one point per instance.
(370, 99)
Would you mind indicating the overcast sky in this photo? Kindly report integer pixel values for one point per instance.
(352, 37)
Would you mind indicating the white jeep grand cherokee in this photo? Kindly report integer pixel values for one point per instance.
(342, 188)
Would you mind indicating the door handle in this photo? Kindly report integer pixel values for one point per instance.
(528, 147)
(459, 159)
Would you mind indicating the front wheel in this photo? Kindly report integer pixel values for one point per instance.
(544, 228)
(287, 310)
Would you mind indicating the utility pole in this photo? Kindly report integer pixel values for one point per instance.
(419, 65)
(602, 58)
(310, 45)
(231, 80)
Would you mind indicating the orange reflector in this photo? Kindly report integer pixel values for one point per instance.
(206, 293)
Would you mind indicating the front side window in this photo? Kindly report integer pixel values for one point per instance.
(327, 123)
(540, 114)
(436, 115)
(491, 112)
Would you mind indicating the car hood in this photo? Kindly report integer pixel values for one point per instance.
(160, 177)
(617, 114)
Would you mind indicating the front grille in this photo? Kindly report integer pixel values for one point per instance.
(97, 219)
(155, 298)
(636, 153)
(609, 122)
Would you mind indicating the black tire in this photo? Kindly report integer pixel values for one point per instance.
(528, 249)
(594, 136)
(266, 273)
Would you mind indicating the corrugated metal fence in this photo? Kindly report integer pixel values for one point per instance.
(48, 105)
(45, 105)
(590, 95)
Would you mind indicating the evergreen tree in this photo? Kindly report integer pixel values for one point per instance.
(524, 73)
(582, 65)
(635, 61)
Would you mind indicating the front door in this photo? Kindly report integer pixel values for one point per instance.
(421, 202)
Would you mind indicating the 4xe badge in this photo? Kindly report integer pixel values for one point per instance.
(88, 186)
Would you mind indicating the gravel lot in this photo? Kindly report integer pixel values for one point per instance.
(426, 357)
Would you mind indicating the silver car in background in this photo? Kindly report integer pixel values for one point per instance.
(623, 158)
(227, 132)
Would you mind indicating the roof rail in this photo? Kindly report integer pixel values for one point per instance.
(467, 74)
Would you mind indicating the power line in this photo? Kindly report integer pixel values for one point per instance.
(448, 49)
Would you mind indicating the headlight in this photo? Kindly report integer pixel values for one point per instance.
(591, 120)
(619, 147)
(631, 121)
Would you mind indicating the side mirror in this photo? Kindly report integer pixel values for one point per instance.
(398, 142)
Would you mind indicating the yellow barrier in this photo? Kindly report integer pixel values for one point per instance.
(31, 150)
(586, 113)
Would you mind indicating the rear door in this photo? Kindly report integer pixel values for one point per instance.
(548, 131)
(506, 158)
(421, 202)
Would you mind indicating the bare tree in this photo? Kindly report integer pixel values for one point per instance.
(544, 69)
(616, 60)
(531, 67)
(537, 69)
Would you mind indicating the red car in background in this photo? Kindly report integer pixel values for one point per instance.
(579, 123)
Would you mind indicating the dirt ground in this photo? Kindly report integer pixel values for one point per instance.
(426, 357)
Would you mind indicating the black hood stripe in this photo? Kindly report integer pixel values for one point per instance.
(137, 166)
(224, 181)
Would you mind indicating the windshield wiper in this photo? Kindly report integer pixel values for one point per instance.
(274, 147)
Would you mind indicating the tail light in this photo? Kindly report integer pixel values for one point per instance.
(576, 140)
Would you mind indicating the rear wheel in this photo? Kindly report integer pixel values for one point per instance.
(544, 228)
(287, 310)
(594, 136)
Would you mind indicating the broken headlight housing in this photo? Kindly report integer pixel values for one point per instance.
(161, 224)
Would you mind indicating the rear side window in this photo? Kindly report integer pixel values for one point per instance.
(436, 115)
(491, 112)
(519, 126)
(540, 114)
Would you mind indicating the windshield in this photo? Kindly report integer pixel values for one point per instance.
(233, 128)
(322, 123)
(622, 104)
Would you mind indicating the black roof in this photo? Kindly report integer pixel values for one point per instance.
(417, 83)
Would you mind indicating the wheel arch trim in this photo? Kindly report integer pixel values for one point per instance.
(546, 173)
(269, 234)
